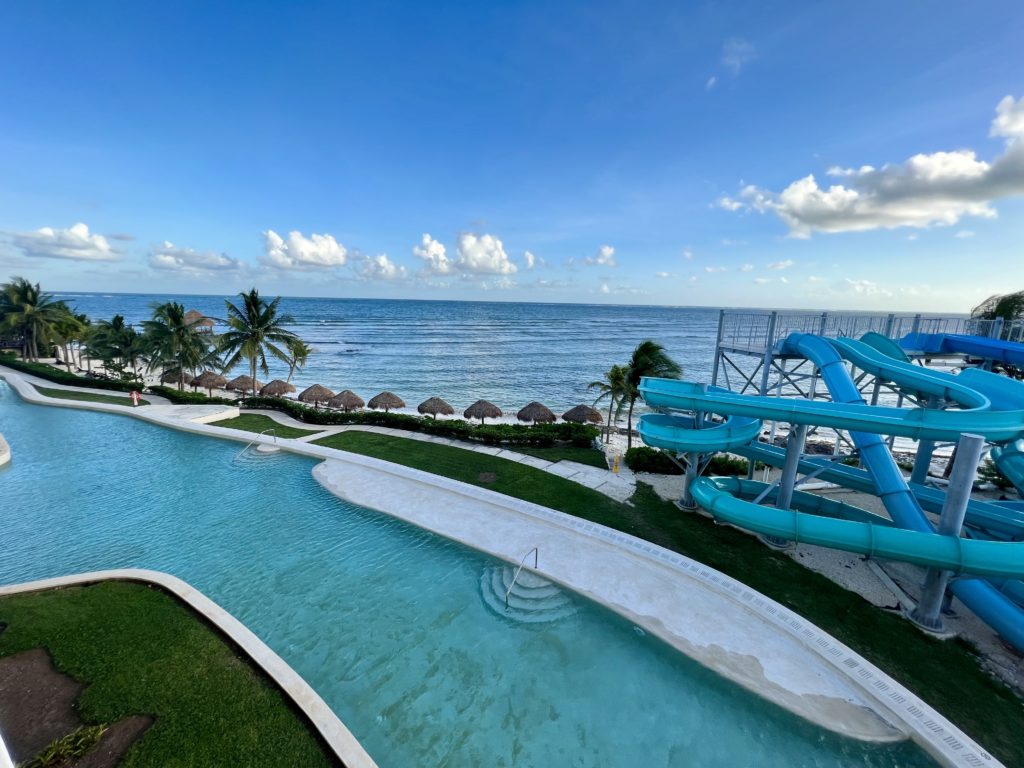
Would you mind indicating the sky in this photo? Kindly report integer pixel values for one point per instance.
(861, 155)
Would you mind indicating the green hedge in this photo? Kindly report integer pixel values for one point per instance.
(56, 375)
(539, 435)
(655, 461)
(188, 397)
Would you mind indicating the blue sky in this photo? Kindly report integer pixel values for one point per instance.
(593, 151)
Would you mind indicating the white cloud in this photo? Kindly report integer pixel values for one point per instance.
(300, 252)
(498, 284)
(168, 256)
(747, 268)
(662, 274)
(379, 267)
(762, 280)
(529, 260)
(912, 236)
(927, 189)
(815, 279)
(711, 83)
(434, 256)
(784, 279)
(483, 255)
(729, 204)
(861, 287)
(605, 257)
(784, 264)
(687, 254)
(716, 269)
(692, 279)
(964, 233)
(74, 244)
(736, 54)
(728, 241)
(605, 288)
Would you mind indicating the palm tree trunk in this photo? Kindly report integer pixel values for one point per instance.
(629, 424)
(608, 429)
(252, 366)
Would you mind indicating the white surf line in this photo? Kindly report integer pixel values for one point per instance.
(809, 673)
(327, 724)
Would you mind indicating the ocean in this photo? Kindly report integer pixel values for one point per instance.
(508, 353)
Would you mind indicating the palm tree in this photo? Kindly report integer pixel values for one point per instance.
(648, 359)
(29, 314)
(298, 354)
(1007, 306)
(254, 329)
(173, 344)
(65, 329)
(613, 387)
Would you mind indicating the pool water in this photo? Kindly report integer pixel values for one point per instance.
(387, 622)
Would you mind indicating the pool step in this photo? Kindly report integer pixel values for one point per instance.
(532, 600)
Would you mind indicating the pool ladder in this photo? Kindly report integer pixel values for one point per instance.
(249, 445)
(536, 554)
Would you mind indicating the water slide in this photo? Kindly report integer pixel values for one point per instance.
(1009, 352)
(866, 424)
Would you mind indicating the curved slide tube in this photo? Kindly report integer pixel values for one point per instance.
(723, 498)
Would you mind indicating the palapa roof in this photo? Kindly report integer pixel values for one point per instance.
(386, 400)
(482, 409)
(346, 400)
(536, 412)
(435, 406)
(316, 394)
(209, 380)
(243, 383)
(195, 317)
(581, 414)
(276, 388)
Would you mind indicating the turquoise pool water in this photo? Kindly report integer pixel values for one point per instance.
(386, 621)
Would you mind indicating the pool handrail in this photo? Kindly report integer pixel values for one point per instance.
(536, 555)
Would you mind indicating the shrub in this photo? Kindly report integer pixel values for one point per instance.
(989, 472)
(58, 376)
(723, 464)
(185, 397)
(537, 435)
(646, 459)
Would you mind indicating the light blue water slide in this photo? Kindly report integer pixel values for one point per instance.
(866, 424)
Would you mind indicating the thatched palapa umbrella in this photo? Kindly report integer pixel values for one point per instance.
(347, 401)
(482, 409)
(209, 381)
(199, 320)
(536, 412)
(386, 401)
(581, 414)
(276, 388)
(243, 384)
(316, 394)
(434, 406)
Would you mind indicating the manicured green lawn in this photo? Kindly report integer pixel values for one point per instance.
(257, 422)
(589, 456)
(947, 674)
(141, 652)
(72, 394)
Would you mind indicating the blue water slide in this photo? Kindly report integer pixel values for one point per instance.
(1010, 352)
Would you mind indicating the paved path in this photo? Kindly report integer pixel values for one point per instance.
(616, 486)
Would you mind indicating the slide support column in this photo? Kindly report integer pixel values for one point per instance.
(787, 482)
(961, 481)
(692, 464)
(925, 449)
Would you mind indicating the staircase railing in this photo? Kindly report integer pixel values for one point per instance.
(248, 445)
(536, 555)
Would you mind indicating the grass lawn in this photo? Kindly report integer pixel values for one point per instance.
(92, 397)
(142, 652)
(590, 456)
(946, 674)
(257, 422)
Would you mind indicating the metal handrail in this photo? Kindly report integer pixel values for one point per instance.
(536, 554)
(261, 434)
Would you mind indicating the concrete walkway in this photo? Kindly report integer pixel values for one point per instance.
(619, 487)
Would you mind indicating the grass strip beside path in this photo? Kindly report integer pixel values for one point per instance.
(141, 652)
(589, 456)
(946, 674)
(258, 422)
(91, 397)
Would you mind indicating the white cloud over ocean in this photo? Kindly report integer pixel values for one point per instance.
(303, 253)
(170, 257)
(939, 188)
(75, 243)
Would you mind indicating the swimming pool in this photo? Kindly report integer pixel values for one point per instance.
(387, 622)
